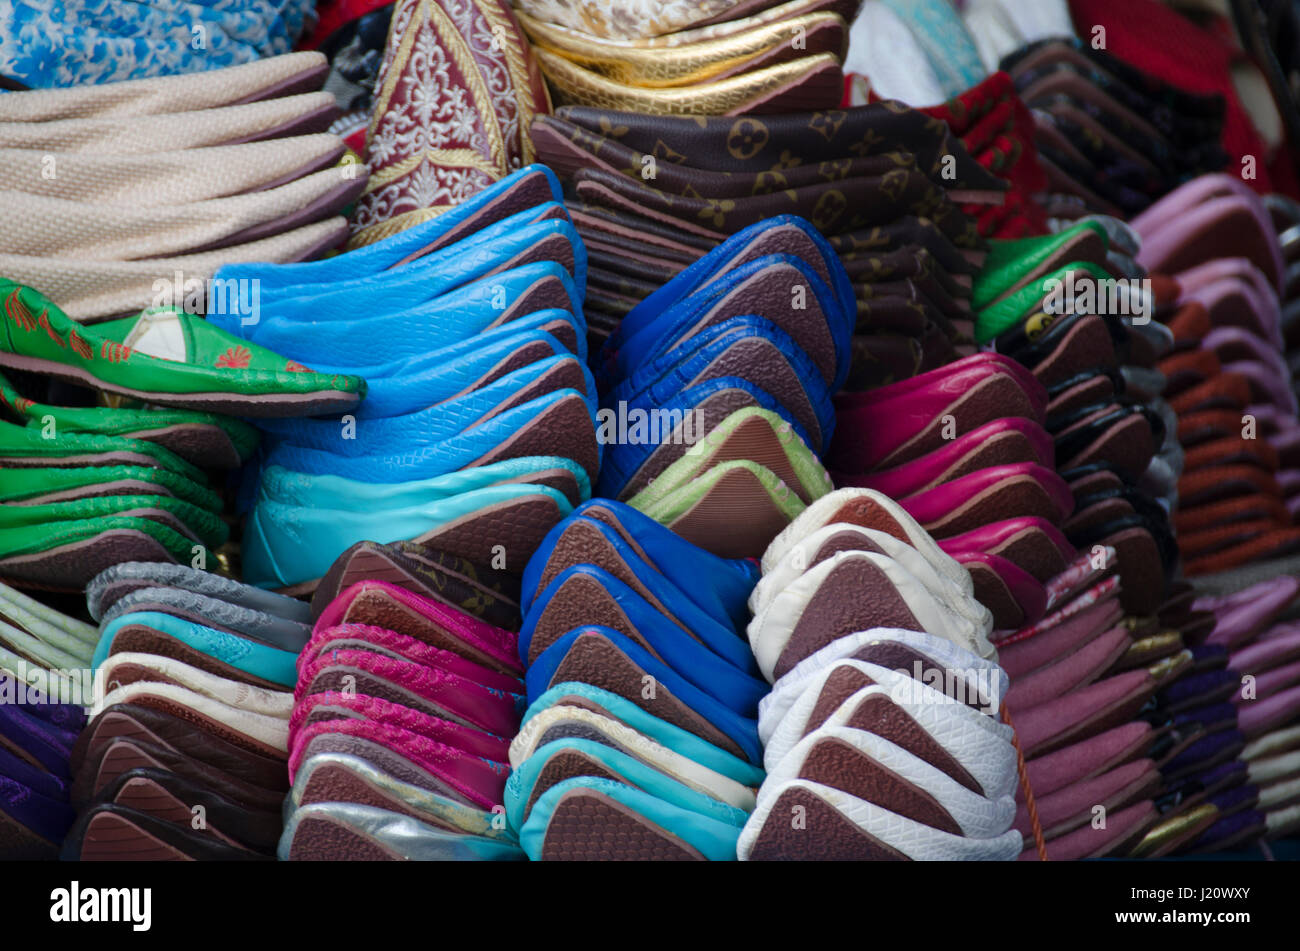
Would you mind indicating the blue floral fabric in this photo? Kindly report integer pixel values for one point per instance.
(52, 43)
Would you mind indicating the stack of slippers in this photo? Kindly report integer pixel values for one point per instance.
(400, 733)
(964, 452)
(1240, 780)
(639, 741)
(997, 129)
(720, 385)
(42, 698)
(1115, 441)
(1082, 683)
(454, 94)
(882, 737)
(478, 431)
(124, 184)
(884, 183)
(735, 57)
(1227, 378)
(184, 755)
(83, 486)
(1111, 138)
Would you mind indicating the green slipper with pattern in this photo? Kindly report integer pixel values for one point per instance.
(166, 357)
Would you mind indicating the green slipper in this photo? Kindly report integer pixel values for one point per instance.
(753, 434)
(205, 527)
(20, 446)
(205, 439)
(65, 556)
(1010, 265)
(733, 510)
(1015, 307)
(167, 357)
(58, 485)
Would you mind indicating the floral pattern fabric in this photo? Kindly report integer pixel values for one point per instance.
(47, 44)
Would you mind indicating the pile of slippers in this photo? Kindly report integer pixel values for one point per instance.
(478, 430)
(885, 184)
(882, 736)
(402, 718)
(123, 187)
(639, 741)
(85, 487)
(1226, 375)
(184, 755)
(749, 57)
(964, 451)
(720, 386)
(42, 709)
(1110, 137)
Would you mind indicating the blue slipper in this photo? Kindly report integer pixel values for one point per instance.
(288, 545)
(784, 234)
(751, 348)
(766, 288)
(624, 711)
(249, 657)
(381, 336)
(532, 185)
(632, 463)
(588, 818)
(559, 423)
(569, 757)
(439, 421)
(502, 247)
(619, 539)
(705, 658)
(608, 659)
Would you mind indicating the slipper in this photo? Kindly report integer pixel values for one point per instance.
(126, 669)
(1034, 545)
(258, 732)
(1004, 441)
(588, 818)
(830, 540)
(109, 832)
(333, 831)
(387, 606)
(750, 434)
(290, 547)
(46, 484)
(991, 495)
(646, 441)
(607, 602)
(875, 770)
(842, 827)
(217, 652)
(795, 623)
(562, 759)
(207, 440)
(867, 509)
(559, 423)
(390, 644)
(704, 510)
(607, 659)
(255, 625)
(333, 712)
(564, 724)
(171, 798)
(475, 589)
(114, 583)
(574, 706)
(344, 777)
(432, 691)
(718, 587)
(246, 380)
